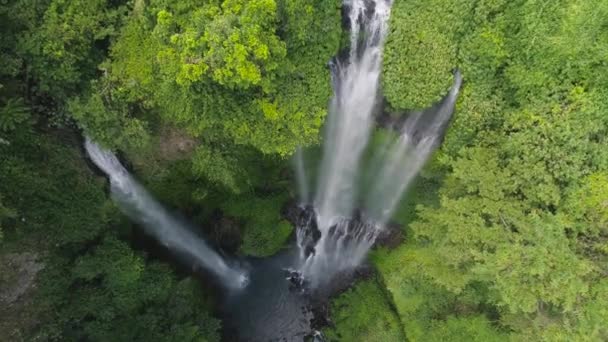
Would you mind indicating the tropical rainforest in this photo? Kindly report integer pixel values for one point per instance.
(505, 231)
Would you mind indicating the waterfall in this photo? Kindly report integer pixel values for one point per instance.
(140, 206)
(348, 129)
(350, 121)
(336, 231)
(301, 176)
(419, 135)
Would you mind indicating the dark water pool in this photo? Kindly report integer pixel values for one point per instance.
(271, 307)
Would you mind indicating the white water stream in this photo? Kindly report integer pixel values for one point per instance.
(141, 207)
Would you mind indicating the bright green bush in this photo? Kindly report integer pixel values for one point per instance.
(363, 314)
(264, 231)
(420, 53)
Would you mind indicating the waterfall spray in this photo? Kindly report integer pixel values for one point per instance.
(348, 129)
(301, 176)
(337, 230)
(420, 135)
(351, 111)
(141, 207)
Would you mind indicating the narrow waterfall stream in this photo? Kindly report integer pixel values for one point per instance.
(140, 206)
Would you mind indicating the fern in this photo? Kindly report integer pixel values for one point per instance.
(14, 113)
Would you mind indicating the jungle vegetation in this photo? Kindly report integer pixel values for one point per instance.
(506, 230)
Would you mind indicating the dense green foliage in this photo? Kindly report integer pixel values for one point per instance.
(519, 233)
(94, 286)
(205, 98)
(65, 46)
(119, 297)
(506, 231)
(265, 231)
(364, 314)
(419, 53)
(231, 73)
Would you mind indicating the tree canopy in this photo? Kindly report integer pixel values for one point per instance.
(519, 231)
(506, 230)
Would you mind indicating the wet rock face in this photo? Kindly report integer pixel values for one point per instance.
(226, 232)
(291, 212)
(21, 270)
(296, 282)
(391, 236)
(307, 223)
(308, 217)
(18, 284)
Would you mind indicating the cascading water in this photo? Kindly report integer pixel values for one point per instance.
(141, 207)
(350, 120)
(333, 234)
(402, 159)
(348, 129)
